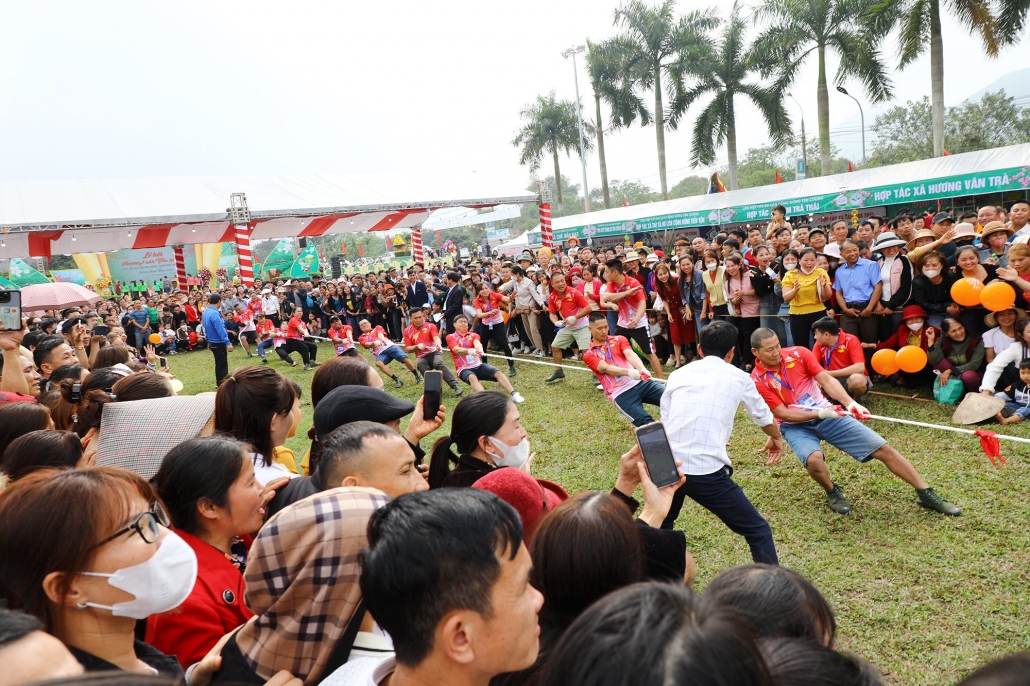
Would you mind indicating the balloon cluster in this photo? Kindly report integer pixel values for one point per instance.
(995, 296)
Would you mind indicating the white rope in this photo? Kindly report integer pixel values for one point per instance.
(955, 429)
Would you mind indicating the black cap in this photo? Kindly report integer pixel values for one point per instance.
(817, 229)
(942, 217)
(348, 404)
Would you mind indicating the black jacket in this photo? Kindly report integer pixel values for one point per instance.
(452, 305)
(417, 294)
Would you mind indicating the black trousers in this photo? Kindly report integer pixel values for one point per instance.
(499, 335)
(307, 351)
(719, 494)
(221, 361)
(801, 327)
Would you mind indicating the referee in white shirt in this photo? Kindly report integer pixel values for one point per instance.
(698, 408)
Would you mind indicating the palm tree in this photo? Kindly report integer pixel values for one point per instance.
(920, 22)
(658, 42)
(722, 72)
(550, 127)
(801, 27)
(607, 64)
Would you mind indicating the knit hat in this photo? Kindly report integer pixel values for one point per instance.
(531, 498)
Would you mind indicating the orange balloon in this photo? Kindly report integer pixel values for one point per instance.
(966, 292)
(155, 338)
(911, 358)
(885, 362)
(997, 296)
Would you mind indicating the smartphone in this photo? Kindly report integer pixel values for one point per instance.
(163, 362)
(431, 394)
(101, 330)
(10, 310)
(654, 446)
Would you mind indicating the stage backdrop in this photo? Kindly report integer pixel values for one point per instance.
(152, 264)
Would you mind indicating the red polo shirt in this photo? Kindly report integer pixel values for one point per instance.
(846, 352)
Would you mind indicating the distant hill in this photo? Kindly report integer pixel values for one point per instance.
(1016, 85)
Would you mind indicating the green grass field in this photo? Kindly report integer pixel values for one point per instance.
(924, 597)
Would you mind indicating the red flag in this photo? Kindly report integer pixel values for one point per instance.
(361, 250)
(343, 247)
(779, 179)
(850, 168)
(946, 153)
(625, 204)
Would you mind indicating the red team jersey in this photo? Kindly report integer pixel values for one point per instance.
(371, 339)
(627, 305)
(337, 334)
(469, 360)
(293, 329)
(426, 336)
(570, 303)
(611, 351)
(793, 383)
(847, 352)
(491, 308)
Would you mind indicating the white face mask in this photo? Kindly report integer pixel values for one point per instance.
(511, 455)
(915, 326)
(160, 584)
(931, 273)
(789, 265)
(807, 271)
(711, 266)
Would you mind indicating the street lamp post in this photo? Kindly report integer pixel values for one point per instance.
(841, 89)
(579, 118)
(804, 147)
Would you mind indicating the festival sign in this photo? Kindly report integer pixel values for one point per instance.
(307, 263)
(23, 275)
(661, 222)
(68, 276)
(149, 265)
(279, 260)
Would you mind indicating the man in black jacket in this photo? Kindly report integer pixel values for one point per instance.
(453, 300)
(416, 292)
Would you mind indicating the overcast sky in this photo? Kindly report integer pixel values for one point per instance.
(125, 89)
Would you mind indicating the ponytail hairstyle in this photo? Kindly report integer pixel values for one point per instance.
(94, 393)
(476, 415)
(246, 402)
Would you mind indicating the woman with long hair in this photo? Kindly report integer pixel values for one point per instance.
(714, 276)
(487, 432)
(958, 353)
(743, 304)
(681, 329)
(258, 406)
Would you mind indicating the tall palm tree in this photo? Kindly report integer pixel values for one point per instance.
(659, 41)
(802, 27)
(723, 72)
(551, 127)
(920, 27)
(608, 66)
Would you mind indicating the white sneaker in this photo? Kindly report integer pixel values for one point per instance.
(517, 397)
(600, 387)
(538, 353)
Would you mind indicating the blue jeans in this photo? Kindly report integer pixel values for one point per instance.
(1022, 410)
(719, 494)
(631, 402)
(263, 346)
(613, 320)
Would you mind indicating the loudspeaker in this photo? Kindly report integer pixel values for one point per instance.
(302, 242)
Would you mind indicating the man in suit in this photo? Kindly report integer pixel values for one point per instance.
(416, 292)
(453, 300)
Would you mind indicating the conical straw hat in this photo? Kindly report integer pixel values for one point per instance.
(976, 407)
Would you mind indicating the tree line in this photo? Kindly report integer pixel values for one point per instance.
(662, 67)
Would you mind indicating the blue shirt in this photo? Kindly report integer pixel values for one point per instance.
(141, 317)
(857, 283)
(214, 329)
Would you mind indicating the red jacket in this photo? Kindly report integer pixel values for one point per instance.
(899, 338)
(214, 608)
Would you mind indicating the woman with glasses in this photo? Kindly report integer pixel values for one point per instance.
(216, 505)
(99, 562)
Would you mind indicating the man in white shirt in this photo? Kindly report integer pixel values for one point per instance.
(698, 408)
(270, 306)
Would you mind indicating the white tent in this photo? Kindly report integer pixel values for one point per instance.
(529, 239)
(96, 215)
(983, 172)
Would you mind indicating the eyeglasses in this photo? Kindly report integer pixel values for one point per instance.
(146, 525)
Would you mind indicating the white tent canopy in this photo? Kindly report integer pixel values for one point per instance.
(97, 215)
(981, 172)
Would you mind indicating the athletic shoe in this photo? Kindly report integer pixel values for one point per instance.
(308, 367)
(419, 380)
(600, 387)
(264, 360)
(314, 364)
(293, 364)
(931, 501)
(517, 397)
(837, 502)
(249, 355)
(512, 372)
(538, 353)
(557, 375)
(458, 391)
(1007, 412)
(397, 383)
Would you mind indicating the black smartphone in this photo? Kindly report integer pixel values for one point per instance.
(431, 394)
(654, 446)
(10, 310)
(163, 362)
(101, 330)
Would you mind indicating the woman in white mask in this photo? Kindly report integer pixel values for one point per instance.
(89, 568)
(914, 330)
(931, 288)
(487, 433)
(714, 276)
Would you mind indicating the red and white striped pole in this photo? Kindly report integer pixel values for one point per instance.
(242, 232)
(546, 237)
(416, 245)
(180, 267)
